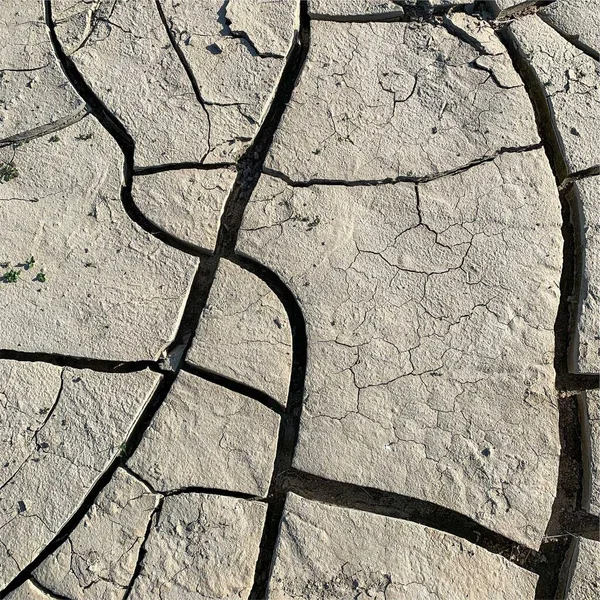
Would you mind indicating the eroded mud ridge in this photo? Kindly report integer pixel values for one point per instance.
(299, 299)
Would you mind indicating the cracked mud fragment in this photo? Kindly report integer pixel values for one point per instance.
(590, 436)
(570, 82)
(98, 560)
(584, 573)
(54, 447)
(577, 20)
(207, 436)
(585, 350)
(201, 546)
(244, 333)
(186, 203)
(202, 98)
(33, 90)
(109, 290)
(426, 106)
(430, 316)
(328, 552)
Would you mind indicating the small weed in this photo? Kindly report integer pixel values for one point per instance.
(7, 172)
(41, 276)
(29, 263)
(123, 450)
(53, 139)
(84, 137)
(11, 276)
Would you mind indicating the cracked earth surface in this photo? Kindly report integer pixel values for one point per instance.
(300, 299)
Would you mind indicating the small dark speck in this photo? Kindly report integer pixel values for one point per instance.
(486, 452)
(76, 379)
(277, 322)
(21, 506)
(44, 445)
(575, 132)
(214, 49)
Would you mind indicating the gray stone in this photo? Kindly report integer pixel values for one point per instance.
(590, 439)
(186, 203)
(376, 101)
(61, 429)
(584, 573)
(202, 547)
(244, 333)
(97, 561)
(585, 350)
(430, 326)
(148, 87)
(328, 552)
(33, 89)
(570, 81)
(579, 20)
(109, 290)
(207, 436)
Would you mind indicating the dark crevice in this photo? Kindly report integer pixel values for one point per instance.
(127, 449)
(398, 506)
(567, 518)
(76, 362)
(98, 109)
(151, 170)
(211, 491)
(400, 178)
(48, 128)
(152, 521)
(235, 386)
(406, 12)
(572, 39)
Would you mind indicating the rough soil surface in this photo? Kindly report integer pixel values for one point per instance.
(299, 299)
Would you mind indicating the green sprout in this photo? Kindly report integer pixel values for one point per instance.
(7, 172)
(84, 137)
(41, 276)
(11, 276)
(53, 139)
(29, 263)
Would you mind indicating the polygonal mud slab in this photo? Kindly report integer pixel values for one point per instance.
(61, 429)
(186, 203)
(100, 287)
(585, 345)
(376, 101)
(430, 316)
(189, 88)
(244, 333)
(206, 436)
(590, 439)
(33, 89)
(583, 581)
(201, 546)
(570, 82)
(98, 559)
(330, 552)
(577, 20)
